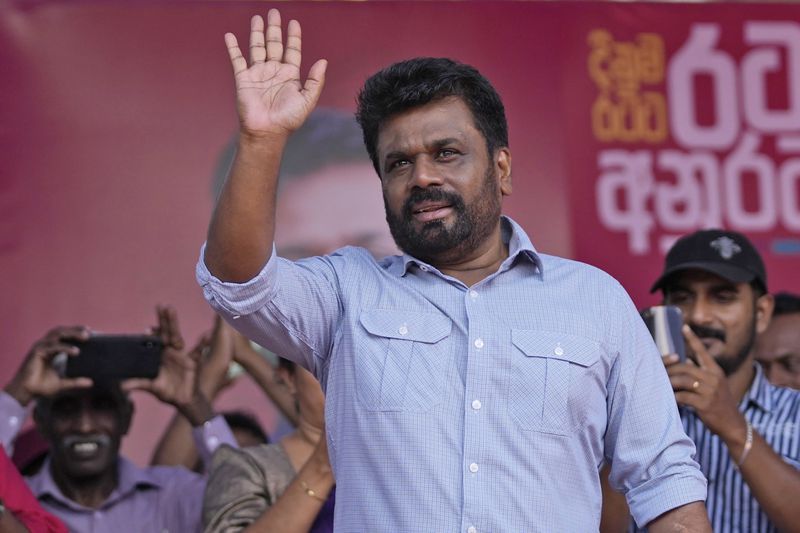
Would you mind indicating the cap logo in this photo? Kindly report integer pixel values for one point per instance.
(726, 247)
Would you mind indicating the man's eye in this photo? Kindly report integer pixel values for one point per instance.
(398, 163)
(445, 154)
(726, 296)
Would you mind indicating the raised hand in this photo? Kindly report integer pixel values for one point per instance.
(37, 376)
(704, 388)
(271, 99)
(177, 380)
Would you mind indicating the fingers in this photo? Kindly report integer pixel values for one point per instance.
(237, 60)
(704, 359)
(312, 88)
(168, 326)
(132, 384)
(670, 359)
(293, 52)
(75, 383)
(76, 333)
(274, 50)
(258, 54)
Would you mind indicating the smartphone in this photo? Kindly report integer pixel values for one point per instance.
(665, 323)
(116, 357)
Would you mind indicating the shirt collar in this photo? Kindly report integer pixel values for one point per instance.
(760, 391)
(519, 245)
(131, 478)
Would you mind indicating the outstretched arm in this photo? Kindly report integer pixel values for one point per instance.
(272, 103)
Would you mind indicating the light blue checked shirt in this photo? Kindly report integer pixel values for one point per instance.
(474, 409)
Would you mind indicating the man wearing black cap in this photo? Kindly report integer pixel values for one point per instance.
(747, 431)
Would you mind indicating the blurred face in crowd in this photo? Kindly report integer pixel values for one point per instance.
(335, 206)
(85, 429)
(442, 191)
(725, 316)
(778, 350)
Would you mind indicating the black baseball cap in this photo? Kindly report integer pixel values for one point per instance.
(728, 254)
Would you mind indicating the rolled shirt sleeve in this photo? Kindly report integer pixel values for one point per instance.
(651, 463)
(279, 319)
(211, 435)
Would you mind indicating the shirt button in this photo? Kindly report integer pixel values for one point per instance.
(479, 343)
(236, 317)
(212, 442)
(476, 404)
(13, 420)
(423, 268)
(473, 295)
(559, 350)
(471, 529)
(473, 467)
(403, 330)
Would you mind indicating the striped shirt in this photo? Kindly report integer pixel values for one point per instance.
(474, 409)
(774, 413)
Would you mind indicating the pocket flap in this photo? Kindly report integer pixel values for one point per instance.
(407, 325)
(535, 343)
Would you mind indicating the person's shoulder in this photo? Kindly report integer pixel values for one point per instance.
(562, 269)
(264, 457)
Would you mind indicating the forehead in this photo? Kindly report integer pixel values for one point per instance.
(784, 330)
(85, 398)
(693, 279)
(417, 128)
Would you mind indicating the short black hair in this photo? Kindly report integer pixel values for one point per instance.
(246, 422)
(786, 303)
(422, 80)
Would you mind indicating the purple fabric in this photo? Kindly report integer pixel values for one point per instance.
(158, 498)
(324, 521)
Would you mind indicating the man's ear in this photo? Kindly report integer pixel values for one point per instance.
(502, 162)
(765, 304)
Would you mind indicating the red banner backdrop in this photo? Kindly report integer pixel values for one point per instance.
(630, 125)
(682, 118)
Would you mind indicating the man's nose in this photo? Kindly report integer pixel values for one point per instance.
(700, 312)
(425, 173)
(85, 421)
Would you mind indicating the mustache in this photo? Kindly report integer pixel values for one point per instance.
(432, 194)
(706, 332)
(99, 438)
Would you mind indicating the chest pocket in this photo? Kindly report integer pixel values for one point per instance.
(549, 373)
(400, 362)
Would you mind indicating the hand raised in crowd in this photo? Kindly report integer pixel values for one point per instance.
(217, 351)
(37, 376)
(702, 386)
(177, 379)
(271, 99)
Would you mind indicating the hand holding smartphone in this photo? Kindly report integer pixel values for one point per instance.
(665, 323)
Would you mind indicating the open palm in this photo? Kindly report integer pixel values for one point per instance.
(270, 96)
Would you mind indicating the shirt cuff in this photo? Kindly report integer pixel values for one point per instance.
(236, 299)
(211, 435)
(12, 416)
(658, 496)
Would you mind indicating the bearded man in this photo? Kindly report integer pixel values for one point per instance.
(472, 384)
(747, 430)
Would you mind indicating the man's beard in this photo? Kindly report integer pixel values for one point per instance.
(435, 240)
(729, 363)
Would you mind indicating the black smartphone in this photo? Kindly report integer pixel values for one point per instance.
(116, 357)
(665, 323)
